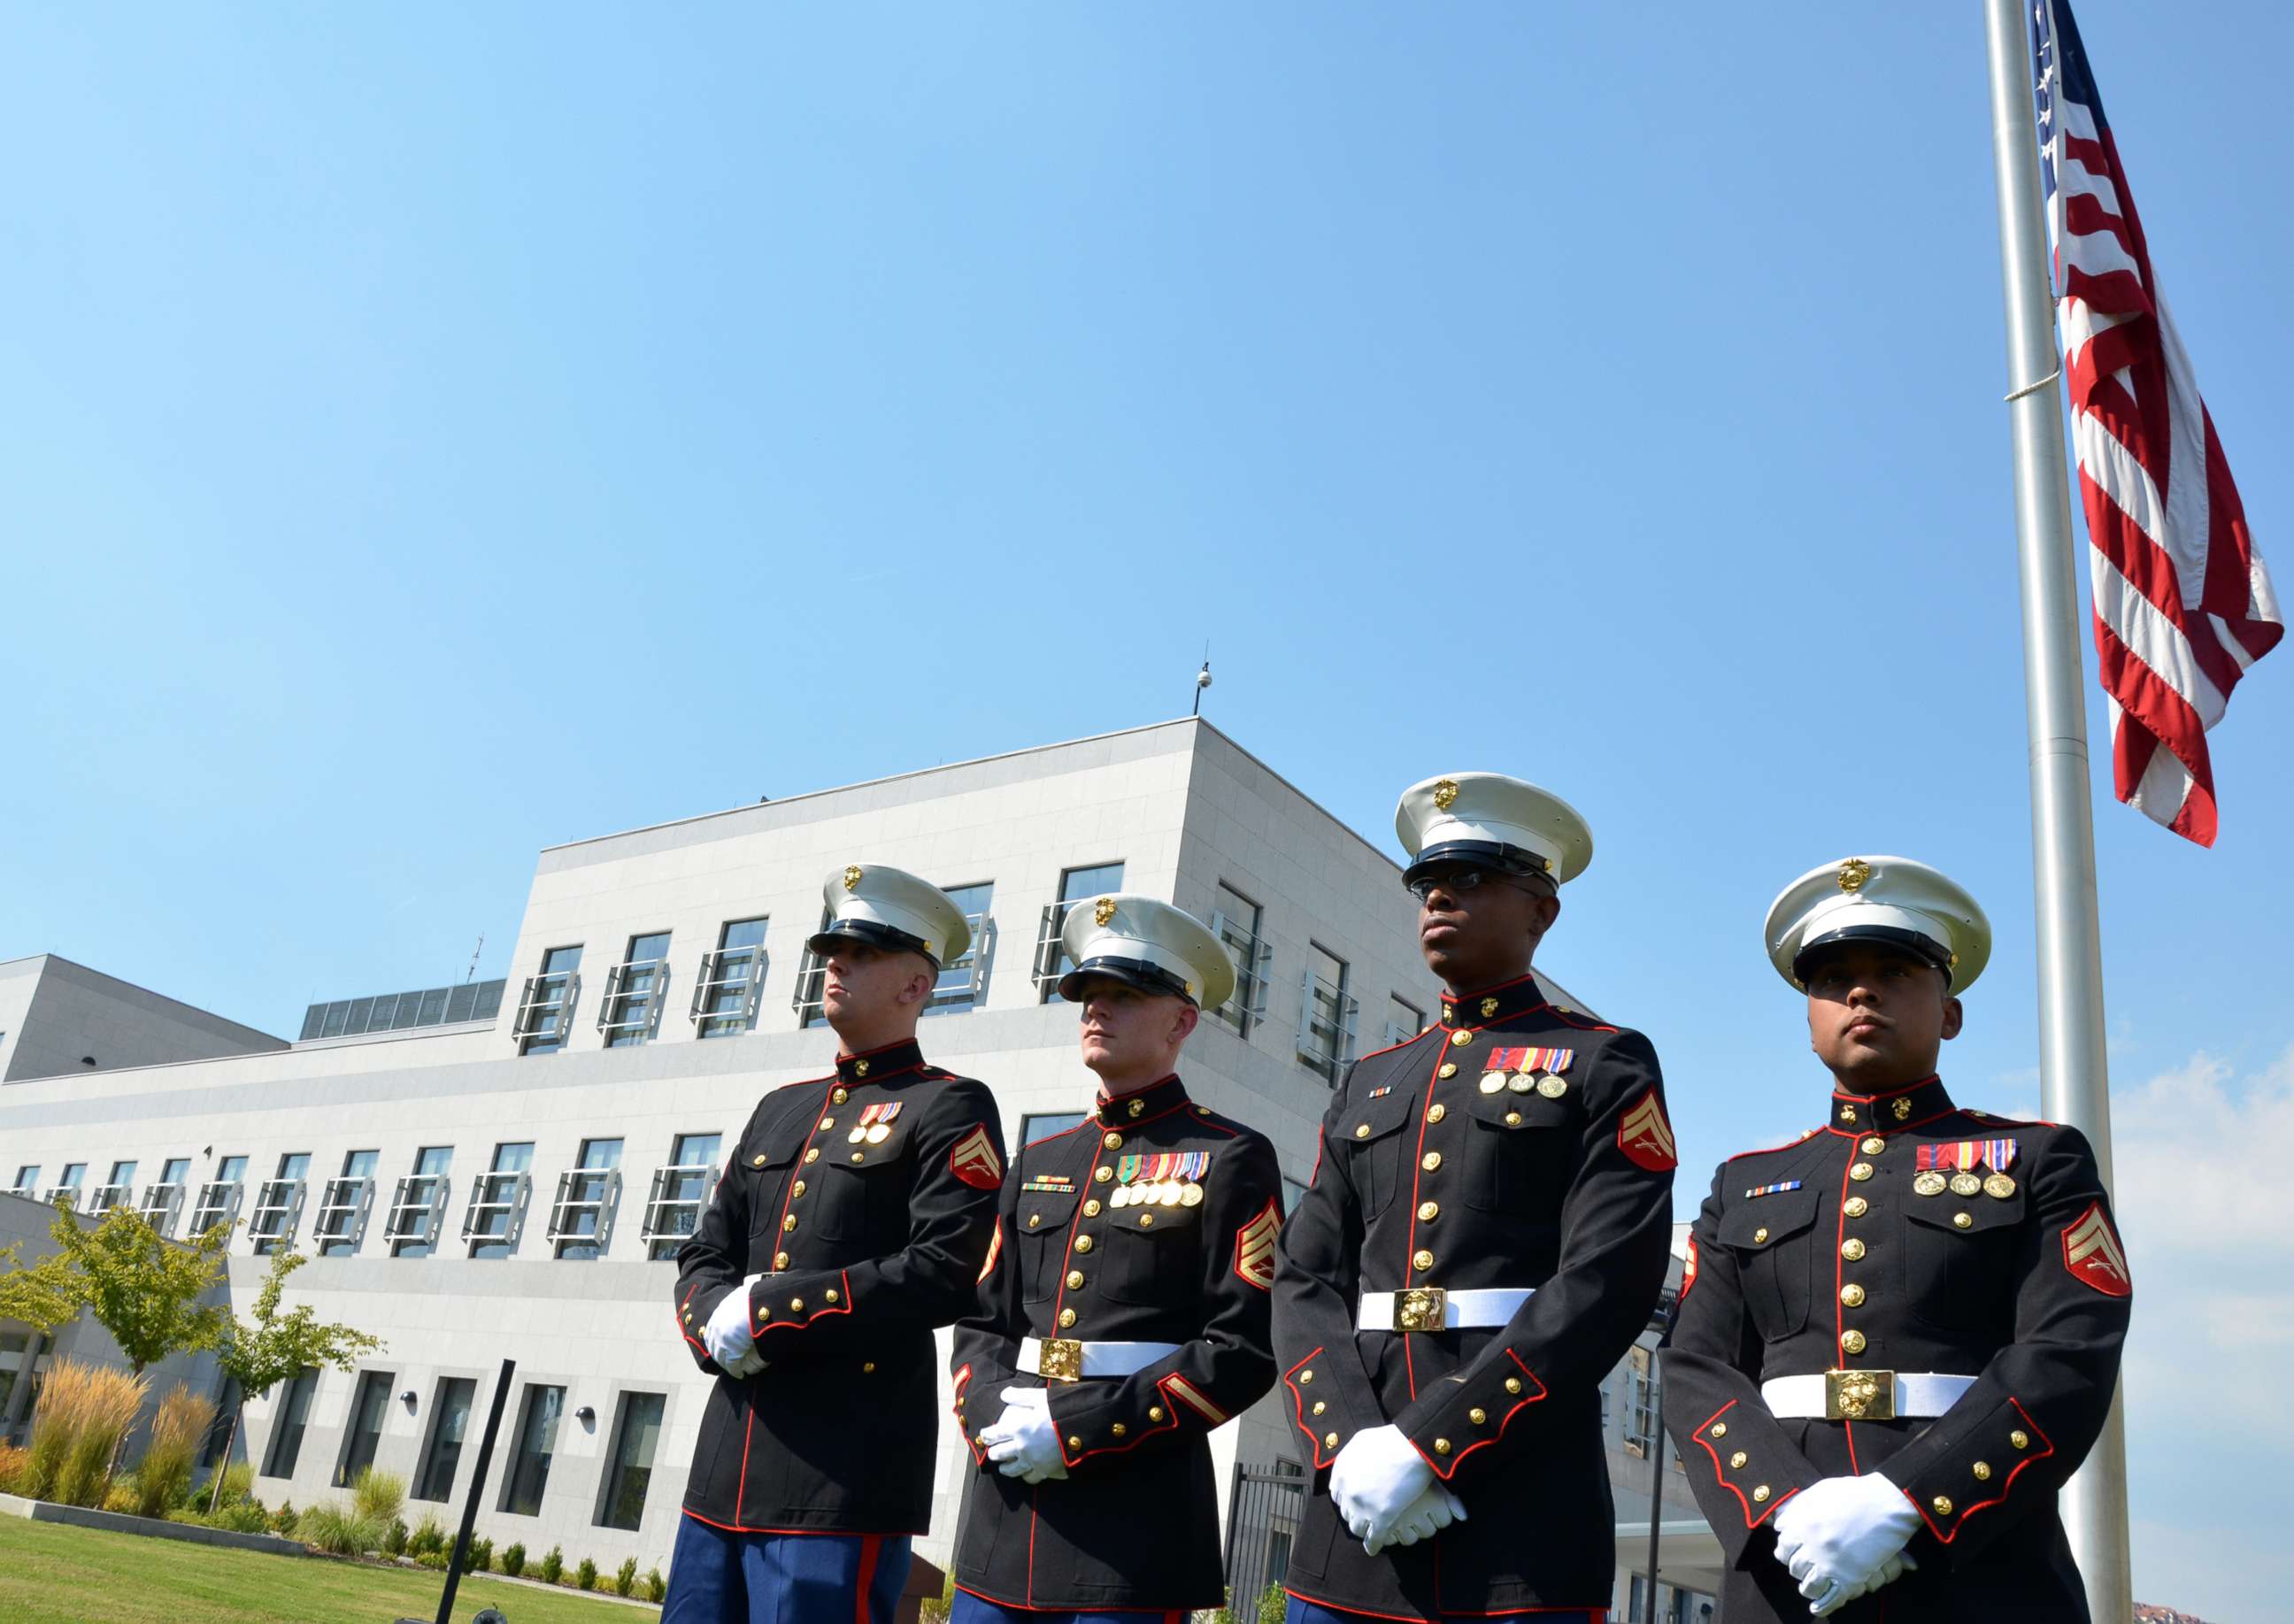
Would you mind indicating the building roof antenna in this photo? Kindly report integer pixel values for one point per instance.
(1203, 678)
(475, 951)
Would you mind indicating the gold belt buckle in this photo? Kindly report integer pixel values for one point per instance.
(1859, 1395)
(1061, 1359)
(1421, 1308)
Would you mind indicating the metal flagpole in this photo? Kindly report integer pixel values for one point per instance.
(2074, 1083)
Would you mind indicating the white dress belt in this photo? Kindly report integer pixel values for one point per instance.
(1921, 1395)
(1481, 1308)
(1100, 1358)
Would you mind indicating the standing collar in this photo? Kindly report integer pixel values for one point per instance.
(1152, 1100)
(879, 1063)
(1502, 1002)
(1892, 1109)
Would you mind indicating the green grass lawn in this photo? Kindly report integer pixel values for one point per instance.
(53, 1574)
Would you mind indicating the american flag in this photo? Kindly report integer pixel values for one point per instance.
(2183, 604)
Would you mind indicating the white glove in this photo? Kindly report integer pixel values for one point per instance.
(1375, 1479)
(1022, 1442)
(1423, 1518)
(728, 1335)
(1891, 1571)
(1835, 1536)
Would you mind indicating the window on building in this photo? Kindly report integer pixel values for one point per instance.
(344, 1204)
(417, 1206)
(278, 1204)
(450, 1422)
(163, 1201)
(812, 973)
(221, 1434)
(725, 995)
(630, 1010)
(23, 1357)
(673, 1204)
(365, 1433)
(580, 1219)
(1076, 885)
(637, 1431)
(545, 1011)
(1235, 920)
(537, 1442)
(1327, 1014)
(68, 1188)
(293, 1416)
(963, 981)
(218, 1200)
(1293, 1192)
(28, 1179)
(1640, 1403)
(498, 1199)
(1045, 1124)
(118, 1190)
(1403, 1021)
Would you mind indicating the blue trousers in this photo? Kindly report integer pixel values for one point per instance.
(970, 1609)
(717, 1576)
(1315, 1612)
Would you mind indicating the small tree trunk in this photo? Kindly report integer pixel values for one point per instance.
(214, 1495)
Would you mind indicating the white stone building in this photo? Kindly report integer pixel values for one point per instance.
(502, 1170)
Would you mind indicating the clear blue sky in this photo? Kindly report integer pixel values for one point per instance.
(429, 433)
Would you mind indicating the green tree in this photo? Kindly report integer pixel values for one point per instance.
(270, 1347)
(142, 1287)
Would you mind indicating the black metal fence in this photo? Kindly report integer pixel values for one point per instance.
(1262, 1518)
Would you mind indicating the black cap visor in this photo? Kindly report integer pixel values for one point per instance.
(1132, 972)
(1477, 853)
(868, 932)
(1925, 949)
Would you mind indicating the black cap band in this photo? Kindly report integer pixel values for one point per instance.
(1892, 936)
(868, 932)
(1132, 972)
(1479, 854)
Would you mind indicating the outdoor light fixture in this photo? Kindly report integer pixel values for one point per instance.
(407, 1398)
(586, 1415)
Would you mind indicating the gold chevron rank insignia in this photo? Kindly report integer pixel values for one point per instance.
(2091, 1252)
(1254, 1248)
(1645, 1137)
(975, 1160)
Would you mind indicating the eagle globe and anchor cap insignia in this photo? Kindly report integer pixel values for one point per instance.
(1853, 873)
(1102, 911)
(852, 877)
(1445, 794)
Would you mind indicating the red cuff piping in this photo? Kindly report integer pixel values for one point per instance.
(1459, 1459)
(1721, 1477)
(1966, 1512)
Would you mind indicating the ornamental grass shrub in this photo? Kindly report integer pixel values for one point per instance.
(163, 1478)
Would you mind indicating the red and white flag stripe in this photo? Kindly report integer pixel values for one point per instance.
(2183, 604)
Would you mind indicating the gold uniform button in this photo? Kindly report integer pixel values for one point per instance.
(1113, 1142)
(1760, 1493)
(1513, 1119)
(689, 1316)
(780, 1259)
(830, 1294)
(1860, 1172)
(1075, 1279)
(757, 1163)
(1329, 1440)
(839, 1097)
(1067, 1318)
(799, 1188)
(868, 1367)
(1146, 1221)
(1760, 1235)
(763, 1314)
(1459, 1040)
(1856, 1206)
(1421, 1259)
(1034, 1219)
(1851, 1342)
(858, 1157)
(1448, 1070)
(827, 1122)
(1362, 1130)
(1478, 1416)
(1074, 1442)
(1083, 1243)
(1428, 1211)
(1155, 1412)
(1963, 1221)
(2020, 1439)
(812, 1155)
(789, 1223)
(796, 1305)
(1118, 1429)
(1430, 1161)
(1513, 1384)
(1851, 1248)
(1873, 1146)
(1437, 1112)
(1943, 1504)
(1853, 1295)
(1441, 1446)
(1720, 1429)
(1320, 1406)
(1736, 1461)
(1306, 1377)
(1091, 1209)
(1103, 1174)
(1982, 1470)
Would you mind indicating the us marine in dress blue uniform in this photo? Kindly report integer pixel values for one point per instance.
(1123, 1313)
(851, 1220)
(1899, 1334)
(1487, 1230)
